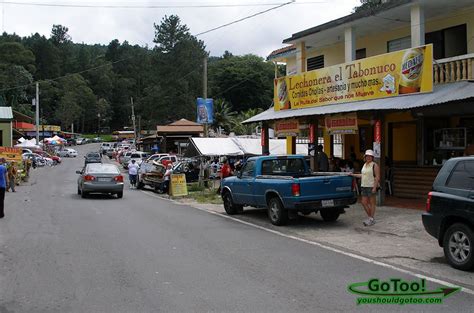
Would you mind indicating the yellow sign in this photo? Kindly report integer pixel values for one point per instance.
(287, 127)
(387, 75)
(49, 128)
(178, 185)
(341, 123)
(11, 154)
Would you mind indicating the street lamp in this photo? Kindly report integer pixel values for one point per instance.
(98, 127)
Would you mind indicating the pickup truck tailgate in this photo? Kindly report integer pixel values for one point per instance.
(325, 187)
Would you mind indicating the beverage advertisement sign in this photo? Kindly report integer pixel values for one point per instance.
(287, 127)
(205, 111)
(388, 75)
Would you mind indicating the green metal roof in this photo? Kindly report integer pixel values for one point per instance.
(6, 113)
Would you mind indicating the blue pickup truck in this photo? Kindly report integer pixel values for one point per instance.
(285, 184)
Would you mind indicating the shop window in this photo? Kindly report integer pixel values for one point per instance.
(361, 54)
(399, 44)
(462, 176)
(448, 42)
(338, 145)
(315, 63)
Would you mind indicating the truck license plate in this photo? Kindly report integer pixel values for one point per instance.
(327, 203)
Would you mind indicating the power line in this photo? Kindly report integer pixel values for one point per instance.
(144, 6)
(246, 18)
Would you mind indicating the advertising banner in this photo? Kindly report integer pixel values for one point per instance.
(388, 75)
(205, 111)
(11, 154)
(287, 127)
(178, 185)
(341, 124)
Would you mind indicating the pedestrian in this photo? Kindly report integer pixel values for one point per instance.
(12, 171)
(3, 186)
(370, 183)
(132, 173)
(226, 171)
(167, 178)
(323, 161)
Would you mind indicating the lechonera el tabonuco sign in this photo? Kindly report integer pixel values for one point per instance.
(387, 75)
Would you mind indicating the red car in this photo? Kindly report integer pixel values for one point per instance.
(55, 158)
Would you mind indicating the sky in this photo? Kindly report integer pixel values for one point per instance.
(258, 35)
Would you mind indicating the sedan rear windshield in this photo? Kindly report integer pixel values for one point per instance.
(102, 169)
(93, 155)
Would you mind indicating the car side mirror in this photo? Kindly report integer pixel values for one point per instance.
(78, 172)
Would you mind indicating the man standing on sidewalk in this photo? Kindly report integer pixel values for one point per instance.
(3, 186)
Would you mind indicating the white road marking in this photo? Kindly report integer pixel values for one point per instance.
(314, 243)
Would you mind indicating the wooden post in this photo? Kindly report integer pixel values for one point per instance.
(379, 135)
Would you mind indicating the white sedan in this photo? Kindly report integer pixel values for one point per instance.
(68, 153)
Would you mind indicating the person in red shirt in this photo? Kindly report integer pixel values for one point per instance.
(226, 171)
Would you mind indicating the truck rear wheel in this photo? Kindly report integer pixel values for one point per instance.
(276, 212)
(230, 207)
(329, 215)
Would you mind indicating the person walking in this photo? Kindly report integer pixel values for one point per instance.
(3, 186)
(132, 173)
(167, 178)
(12, 171)
(370, 182)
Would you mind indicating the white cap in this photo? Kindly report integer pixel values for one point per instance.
(369, 152)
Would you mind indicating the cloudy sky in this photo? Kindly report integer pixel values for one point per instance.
(258, 35)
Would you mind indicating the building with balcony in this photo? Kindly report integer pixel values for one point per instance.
(414, 133)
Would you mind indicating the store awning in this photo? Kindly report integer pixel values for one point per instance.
(441, 94)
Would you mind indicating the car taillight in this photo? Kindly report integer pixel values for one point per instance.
(119, 178)
(89, 178)
(428, 202)
(295, 189)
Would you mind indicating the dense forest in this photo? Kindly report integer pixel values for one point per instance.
(92, 85)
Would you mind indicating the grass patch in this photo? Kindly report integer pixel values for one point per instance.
(205, 196)
(105, 138)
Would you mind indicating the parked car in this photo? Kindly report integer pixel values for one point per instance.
(285, 184)
(56, 159)
(68, 153)
(38, 160)
(105, 146)
(167, 159)
(110, 152)
(124, 157)
(81, 141)
(70, 142)
(138, 156)
(156, 156)
(152, 175)
(449, 215)
(93, 157)
(100, 178)
(189, 169)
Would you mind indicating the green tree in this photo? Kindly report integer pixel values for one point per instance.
(223, 115)
(244, 129)
(244, 81)
(368, 5)
(169, 33)
(59, 35)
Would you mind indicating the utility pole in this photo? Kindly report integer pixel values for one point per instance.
(133, 121)
(204, 92)
(37, 103)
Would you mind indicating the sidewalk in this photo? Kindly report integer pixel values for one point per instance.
(398, 237)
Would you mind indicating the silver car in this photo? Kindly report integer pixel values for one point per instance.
(100, 178)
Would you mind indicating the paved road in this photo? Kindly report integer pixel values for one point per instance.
(61, 253)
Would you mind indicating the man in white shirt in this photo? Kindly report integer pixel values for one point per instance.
(132, 173)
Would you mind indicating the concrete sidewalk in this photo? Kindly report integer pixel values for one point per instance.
(398, 237)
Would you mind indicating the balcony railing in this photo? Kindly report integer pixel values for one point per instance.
(453, 69)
